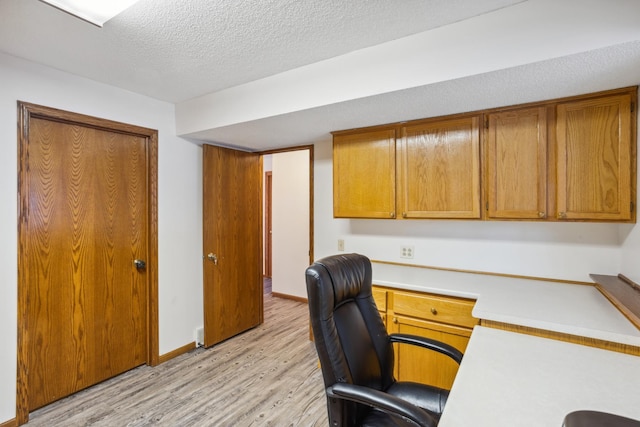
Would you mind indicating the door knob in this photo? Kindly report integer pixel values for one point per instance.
(213, 257)
(140, 264)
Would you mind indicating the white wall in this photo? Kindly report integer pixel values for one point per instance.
(550, 250)
(630, 236)
(179, 201)
(290, 222)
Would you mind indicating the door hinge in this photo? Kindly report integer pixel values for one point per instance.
(631, 206)
(486, 122)
(486, 206)
(633, 107)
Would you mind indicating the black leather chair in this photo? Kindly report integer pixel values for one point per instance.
(356, 353)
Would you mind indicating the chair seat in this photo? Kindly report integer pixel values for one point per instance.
(431, 399)
(377, 418)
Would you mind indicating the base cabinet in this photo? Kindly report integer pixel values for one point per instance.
(424, 366)
(444, 318)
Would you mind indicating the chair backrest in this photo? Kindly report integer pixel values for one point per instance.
(351, 340)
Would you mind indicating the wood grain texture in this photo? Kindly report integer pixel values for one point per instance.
(232, 231)
(429, 367)
(517, 164)
(10, 423)
(439, 169)
(622, 292)
(88, 207)
(364, 174)
(591, 342)
(594, 158)
(87, 224)
(267, 376)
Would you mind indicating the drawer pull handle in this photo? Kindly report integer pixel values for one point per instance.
(434, 311)
(395, 320)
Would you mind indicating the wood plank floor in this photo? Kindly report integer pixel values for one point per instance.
(267, 376)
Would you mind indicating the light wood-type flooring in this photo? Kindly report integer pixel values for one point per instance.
(268, 376)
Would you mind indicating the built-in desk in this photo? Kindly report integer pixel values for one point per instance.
(573, 309)
(511, 379)
(514, 379)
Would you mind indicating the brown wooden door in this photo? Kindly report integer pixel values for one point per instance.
(232, 243)
(85, 220)
(439, 169)
(595, 159)
(517, 164)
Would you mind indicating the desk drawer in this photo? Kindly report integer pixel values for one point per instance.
(437, 308)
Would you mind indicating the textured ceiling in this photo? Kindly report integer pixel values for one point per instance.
(181, 51)
(175, 50)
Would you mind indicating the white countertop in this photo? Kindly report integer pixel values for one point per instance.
(574, 309)
(509, 379)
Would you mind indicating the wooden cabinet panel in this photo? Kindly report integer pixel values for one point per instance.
(439, 169)
(380, 297)
(565, 159)
(444, 318)
(424, 366)
(516, 167)
(364, 177)
(436, 308)
(595, 164)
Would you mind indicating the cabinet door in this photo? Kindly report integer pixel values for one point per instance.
(517, 164)
(364, 175)
(421, 365)
(439, 167)
(594, 159)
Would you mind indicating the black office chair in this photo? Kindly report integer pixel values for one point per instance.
(356, 353)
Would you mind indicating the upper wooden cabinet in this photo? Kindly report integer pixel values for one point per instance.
(570, 159)
(596, 159)
(516, 168)
(364, 174)
(439, 169)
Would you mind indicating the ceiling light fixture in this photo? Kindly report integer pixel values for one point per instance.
(96, 12)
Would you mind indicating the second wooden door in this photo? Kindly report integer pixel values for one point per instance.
(232, 244)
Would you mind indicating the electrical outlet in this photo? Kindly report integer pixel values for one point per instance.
(340, 245)
(406, 252)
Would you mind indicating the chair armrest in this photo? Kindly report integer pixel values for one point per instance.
(428, 343)
(382, 401)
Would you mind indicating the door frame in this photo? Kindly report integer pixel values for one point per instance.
(27, 111)
(268, 176)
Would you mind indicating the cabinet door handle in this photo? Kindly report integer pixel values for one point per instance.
(395, 320)
(434, 311)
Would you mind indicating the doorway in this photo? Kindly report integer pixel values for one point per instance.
(87, 259)
(289, 241)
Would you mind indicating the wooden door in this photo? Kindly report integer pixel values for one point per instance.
(364, 174)
(517, 164)
(596, 170)
(439, 169)
(85, 219)
(232, 243)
